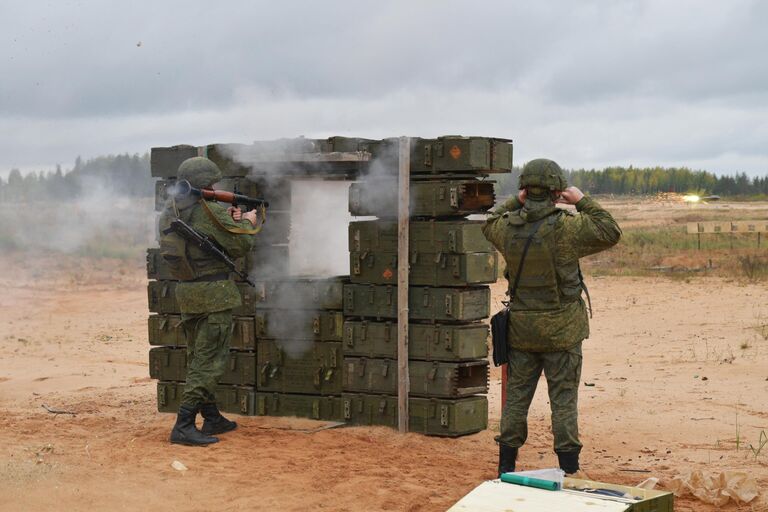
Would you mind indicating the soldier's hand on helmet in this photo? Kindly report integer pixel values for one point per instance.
(235, 213)
(522, 195)
(252, 217)
(571, 195)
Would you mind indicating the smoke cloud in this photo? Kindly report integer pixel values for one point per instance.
(99, 222)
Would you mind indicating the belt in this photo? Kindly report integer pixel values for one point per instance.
(212, 277)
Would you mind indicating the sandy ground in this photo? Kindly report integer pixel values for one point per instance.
(679, 373)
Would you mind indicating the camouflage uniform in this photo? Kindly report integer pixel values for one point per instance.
(206, 306)
(206, 297)
(548, 318)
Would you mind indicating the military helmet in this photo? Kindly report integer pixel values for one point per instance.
(199, 172)
(543, 173)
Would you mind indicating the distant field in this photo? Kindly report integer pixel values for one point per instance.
(655, 240)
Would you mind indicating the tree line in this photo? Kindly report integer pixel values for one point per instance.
(129, 175)
(652, 180)
(119, 174)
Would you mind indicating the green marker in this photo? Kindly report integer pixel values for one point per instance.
(512, 478)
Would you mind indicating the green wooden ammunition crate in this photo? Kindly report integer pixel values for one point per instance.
(299, 366)
(157, 268)
(230, 399)
(169, 396)
(350, 144)
(446, 342)
(243, 334)
(647, 500)
(162, 297)
(425, 236)
(453, 153)
(430, 416)
(295, 292)
(265, 260)
(167, 330)
(167, 363)
(428, 198)
(164, 162)
(302, 324)
(443, 155)
(426, 268)
(236, 399)
(240, 369)
(428, 378)
(327, 408)
(170, 363)
(424, 303)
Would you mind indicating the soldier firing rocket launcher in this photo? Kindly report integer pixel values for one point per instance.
(183, 188)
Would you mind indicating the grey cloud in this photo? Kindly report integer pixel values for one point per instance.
(590, 83)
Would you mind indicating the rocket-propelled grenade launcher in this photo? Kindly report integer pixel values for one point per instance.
(183, 189)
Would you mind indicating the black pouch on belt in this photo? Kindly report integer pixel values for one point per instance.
(499, 325)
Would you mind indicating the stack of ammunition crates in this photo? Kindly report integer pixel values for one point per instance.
(450, 264)
(325, 348)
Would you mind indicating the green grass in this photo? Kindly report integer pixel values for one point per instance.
(672, 252)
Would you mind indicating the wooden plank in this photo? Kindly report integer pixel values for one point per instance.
(350, 156)
(693, 228)
(750, 226)
(403, 223)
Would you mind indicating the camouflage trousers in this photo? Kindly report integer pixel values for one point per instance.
(208, 336)
(563, 372)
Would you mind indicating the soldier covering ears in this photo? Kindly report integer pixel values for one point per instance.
(547, 317)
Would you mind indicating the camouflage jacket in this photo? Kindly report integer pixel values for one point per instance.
(541, 322)
(211, 219)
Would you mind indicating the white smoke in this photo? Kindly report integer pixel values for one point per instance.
(98, 222)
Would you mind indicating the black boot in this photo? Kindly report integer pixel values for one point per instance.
(214, 422)
(185, 432)
(507, 457)
(569, 461)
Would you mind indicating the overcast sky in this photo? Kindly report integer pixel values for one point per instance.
(587, 83)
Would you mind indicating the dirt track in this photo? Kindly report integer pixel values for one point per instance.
(654, 342)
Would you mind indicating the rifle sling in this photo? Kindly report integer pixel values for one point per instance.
(586, 291)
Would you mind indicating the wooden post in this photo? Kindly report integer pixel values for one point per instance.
(758, 239)
(698, 237)
(403, 225)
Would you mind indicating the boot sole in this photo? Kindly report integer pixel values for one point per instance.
(218, 432)
(190, 443)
